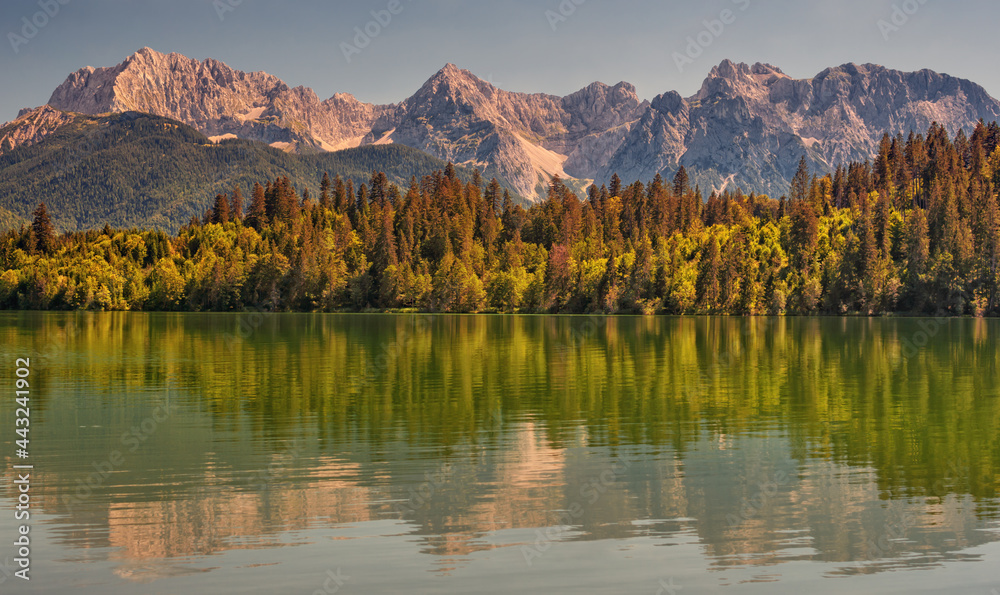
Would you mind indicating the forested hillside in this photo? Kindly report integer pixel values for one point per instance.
(916, 231)
(138, 170)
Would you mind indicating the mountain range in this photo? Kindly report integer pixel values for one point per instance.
(747, 126)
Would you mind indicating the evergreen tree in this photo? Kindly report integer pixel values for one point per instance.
(236, 204)
(220, 209)
(270, 201)
(42, 230)
(257, 213)
(379, 189)
(340, 195)
(681, 182)
(325, 199)
(804, 233)
(800, 182)
(493, 196)
(615, 187)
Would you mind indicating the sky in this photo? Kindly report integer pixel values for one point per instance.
(381, 51)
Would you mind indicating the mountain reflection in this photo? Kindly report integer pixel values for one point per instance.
(766, 440)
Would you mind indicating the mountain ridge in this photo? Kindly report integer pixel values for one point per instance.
(747, 124)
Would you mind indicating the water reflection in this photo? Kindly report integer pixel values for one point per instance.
(764, 442)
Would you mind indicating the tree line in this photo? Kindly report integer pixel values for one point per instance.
(916, 230)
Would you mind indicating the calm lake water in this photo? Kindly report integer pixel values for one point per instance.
(197, 453)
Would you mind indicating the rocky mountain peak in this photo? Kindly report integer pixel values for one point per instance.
(670, 102)
(456, 84)
(747, 124)
(729, 70)
(766, 69)
(731, 79)
(149, 56)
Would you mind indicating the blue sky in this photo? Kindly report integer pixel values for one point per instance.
(552, 46)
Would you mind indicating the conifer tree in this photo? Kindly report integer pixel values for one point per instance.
(324, 191)
(236, 204)
(257, 213)
(42, 230)
(493, 196)
(220, 209)
(615, 187)
(800, 182)
(339, 195)
(681, 182)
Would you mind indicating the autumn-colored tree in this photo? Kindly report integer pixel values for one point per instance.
(682, 183)
(220, 209)
(257, 213)
(236, 204)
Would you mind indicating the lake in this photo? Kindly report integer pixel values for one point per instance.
(301, 453)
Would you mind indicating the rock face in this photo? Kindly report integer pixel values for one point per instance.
(218, 100)
(523, 138)
(749, 125)
(746, 126)
(32, 126)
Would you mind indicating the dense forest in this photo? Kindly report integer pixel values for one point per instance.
(917, 230)
(140, 170)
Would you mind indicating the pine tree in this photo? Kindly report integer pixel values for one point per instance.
(257, 214)
(378, 189)
(236, 204)
(804, 233)
(493, 196)
(270, 201)
(220, 209)
(350, 205)
(615, 188)
(324, 192)
(681, 182)
(339, 195)
(800, 183)
(287, 200)
(42, 230)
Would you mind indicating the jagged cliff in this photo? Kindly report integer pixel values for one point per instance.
(746, 126)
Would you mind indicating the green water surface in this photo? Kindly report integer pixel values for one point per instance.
(288, 453)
